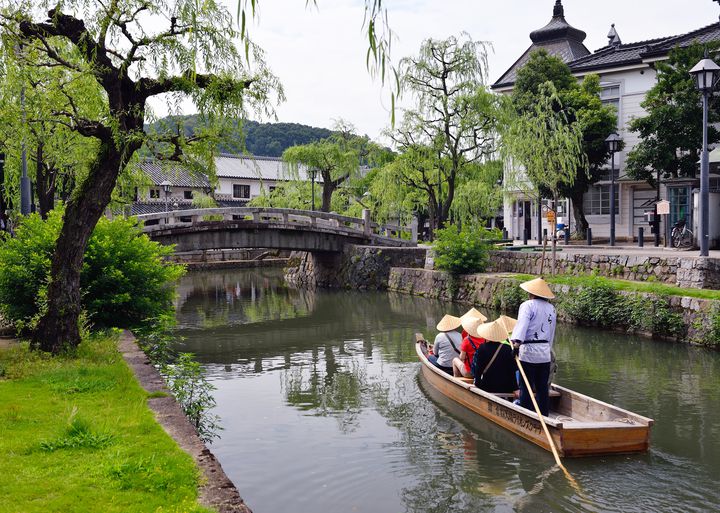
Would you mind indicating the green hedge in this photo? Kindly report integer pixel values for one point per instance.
(462, 251)
(598, 304)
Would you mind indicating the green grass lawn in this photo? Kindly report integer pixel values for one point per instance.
(76, 434)
(661, 289)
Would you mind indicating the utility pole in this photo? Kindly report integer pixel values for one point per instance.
(24, 180)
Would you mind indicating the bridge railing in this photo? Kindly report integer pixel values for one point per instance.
(285, 216)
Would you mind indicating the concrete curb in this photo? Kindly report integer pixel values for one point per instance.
(216, 490)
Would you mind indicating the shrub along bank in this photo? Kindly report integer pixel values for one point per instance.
(590, 301)
(76, 435)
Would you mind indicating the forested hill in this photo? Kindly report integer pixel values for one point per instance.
(264, 139)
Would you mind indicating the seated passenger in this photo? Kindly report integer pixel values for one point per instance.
(447, 344)
(494, 361)
(471, 314)
(461, 364)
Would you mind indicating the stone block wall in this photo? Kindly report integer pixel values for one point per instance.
(683, 271)
(502, 292)
(356, 267)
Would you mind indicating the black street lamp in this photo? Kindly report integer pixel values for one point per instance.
(612, 144)
(313, 174)
(166, 187)
(706, 74)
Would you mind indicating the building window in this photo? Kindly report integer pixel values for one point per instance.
(610, 95)
(188, 194)
(241, 191)
(155, 193)
(604, 174)
(597, 200)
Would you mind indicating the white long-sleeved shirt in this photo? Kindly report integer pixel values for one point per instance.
(536, 321)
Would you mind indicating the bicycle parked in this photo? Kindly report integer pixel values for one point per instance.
(681, 236)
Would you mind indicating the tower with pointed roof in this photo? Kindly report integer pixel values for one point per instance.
(558, 38)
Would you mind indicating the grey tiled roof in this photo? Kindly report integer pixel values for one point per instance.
(566, 50)
(175, 173)
(153, 207)
(266, 168)
(635, 53)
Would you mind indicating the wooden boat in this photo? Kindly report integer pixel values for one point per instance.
(579, 425)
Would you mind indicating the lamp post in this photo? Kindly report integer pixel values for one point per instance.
(612, 144)
(166, 187)
(313, 173)
(25, 192)
(706, 74)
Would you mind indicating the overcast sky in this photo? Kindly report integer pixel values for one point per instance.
(319, 53)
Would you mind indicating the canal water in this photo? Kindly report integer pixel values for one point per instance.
(324, 409)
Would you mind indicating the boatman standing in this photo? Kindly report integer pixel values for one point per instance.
(532, 340)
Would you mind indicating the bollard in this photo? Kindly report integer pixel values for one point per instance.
(566, 234)
(504, 233)
(525, 237)
(641, 237)
(545, 234)
(589, 236)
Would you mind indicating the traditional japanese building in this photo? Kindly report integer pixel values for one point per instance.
(627, 71)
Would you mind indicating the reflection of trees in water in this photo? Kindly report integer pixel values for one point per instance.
(212, 299)
(653, 378)
(325, 387)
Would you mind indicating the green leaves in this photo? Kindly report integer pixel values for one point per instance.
(545, 143)
(462, 251)
(671, 132)
(125, 278)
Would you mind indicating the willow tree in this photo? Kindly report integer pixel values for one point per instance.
(56, 154)
(134, 50)
(454, 116)
(334, 160)
(546, 146)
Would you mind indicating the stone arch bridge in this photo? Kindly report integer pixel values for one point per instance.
(272, 228)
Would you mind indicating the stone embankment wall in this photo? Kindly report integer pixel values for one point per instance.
(356, 267)
(502, 293)
(680, 270)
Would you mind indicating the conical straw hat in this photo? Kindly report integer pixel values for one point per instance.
(493, 331)
(507, 322)
(471, 325)
(449, 323)
(473, 314)
(537, 287)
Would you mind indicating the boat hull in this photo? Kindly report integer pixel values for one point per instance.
(604, 429)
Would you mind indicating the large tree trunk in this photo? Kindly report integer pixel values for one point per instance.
(3, 202)
(581, 221)
(58, 327)
(327, 192)
(45, 183)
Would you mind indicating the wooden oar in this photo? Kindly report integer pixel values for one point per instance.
(544, 426)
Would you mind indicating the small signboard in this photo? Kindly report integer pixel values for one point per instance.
(663, 207)
(551, 216)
